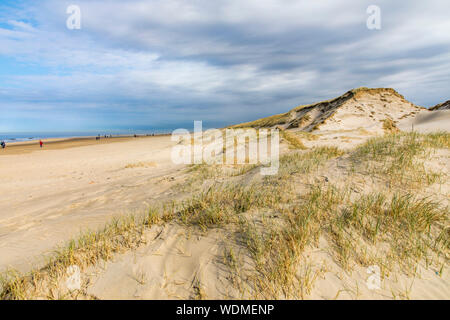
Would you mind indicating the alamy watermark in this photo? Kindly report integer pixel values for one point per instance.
(228, 146)
(73, 281)
(374, 20)
(374, 280)
(73, 22)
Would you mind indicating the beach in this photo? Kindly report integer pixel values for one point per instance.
(358, 196)
(49, 195)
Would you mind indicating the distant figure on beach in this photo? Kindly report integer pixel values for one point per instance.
(3, 144)
(41, 143)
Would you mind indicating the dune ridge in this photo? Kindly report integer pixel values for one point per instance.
(362, 107)
(442, 106)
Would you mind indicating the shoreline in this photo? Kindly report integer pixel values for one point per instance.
(50, 194)
(22, 147)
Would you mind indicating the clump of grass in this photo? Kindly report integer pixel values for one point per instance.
(305, 162)
(234, 263)
(411, 226)
(221, 205)
(271, 121)
(307, 135)
(293, 140)
(277, 248)
(91, 247)
(203, 171)
(199, 292)
(198, 174)
(141, 165)
(400, 158)
(389, 126)
(243, 169)
(439, 139)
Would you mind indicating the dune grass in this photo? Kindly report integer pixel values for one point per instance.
(409, 228)
(148, 164)
(305, 162)
(293, 140)
(275, 224)
(389, 126)
(271, 121)
(307, 135)
(401, 158)
(121, 234)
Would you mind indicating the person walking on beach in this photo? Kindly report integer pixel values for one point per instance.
(3, 144)
(41, 143)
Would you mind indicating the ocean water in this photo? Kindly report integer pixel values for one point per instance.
(27, 136)
(12, 137)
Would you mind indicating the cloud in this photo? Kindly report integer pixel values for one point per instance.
(167, 62)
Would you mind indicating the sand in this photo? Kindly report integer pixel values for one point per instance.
(50, 195)
(57, 144)
(177, 260)
(428, 121)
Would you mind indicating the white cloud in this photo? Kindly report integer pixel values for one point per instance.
(186, 58)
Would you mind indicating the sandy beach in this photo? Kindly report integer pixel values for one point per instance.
(49, 195)
(58, 144)
(207, 230)
(315, 163)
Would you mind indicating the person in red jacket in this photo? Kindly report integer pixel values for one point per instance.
(41, 143)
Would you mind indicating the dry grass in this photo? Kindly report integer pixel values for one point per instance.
(399, 158)
(389, 126)
(271, 121)
(304, 162)
(410, 228)
(149, 164)
(274, 224)
(284, 118)
(293, 140)
(307, 135)
(121, 234)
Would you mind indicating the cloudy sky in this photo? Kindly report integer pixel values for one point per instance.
(163, 63)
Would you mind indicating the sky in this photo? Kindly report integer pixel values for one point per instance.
(161, 64)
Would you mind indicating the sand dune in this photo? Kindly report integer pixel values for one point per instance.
(217, 244)
(359, 108)
(428, 121)
(442, 106)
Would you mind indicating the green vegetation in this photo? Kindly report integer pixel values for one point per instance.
(389, 126)
(271, 121)
(283, 118)
(121, 234)
(274, 222)
(400, 158)
(293, 141)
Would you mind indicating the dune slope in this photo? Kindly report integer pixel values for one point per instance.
(358, 108)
